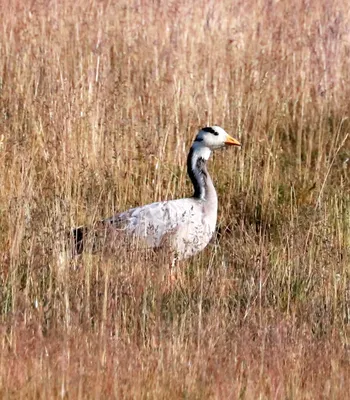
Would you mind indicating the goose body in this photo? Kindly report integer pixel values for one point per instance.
(184, 226)
(181, 225)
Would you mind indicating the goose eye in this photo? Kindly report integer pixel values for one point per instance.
(209, 129)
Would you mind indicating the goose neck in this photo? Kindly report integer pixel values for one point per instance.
(198, 173)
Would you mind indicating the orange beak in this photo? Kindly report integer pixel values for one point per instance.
(231, 141)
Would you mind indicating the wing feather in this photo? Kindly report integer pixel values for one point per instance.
(153, 222)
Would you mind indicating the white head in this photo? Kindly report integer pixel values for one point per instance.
(207, 139)
(212, 138)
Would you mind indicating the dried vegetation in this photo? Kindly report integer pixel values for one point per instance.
(99, 102)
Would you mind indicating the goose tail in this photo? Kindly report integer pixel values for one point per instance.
(78, 238)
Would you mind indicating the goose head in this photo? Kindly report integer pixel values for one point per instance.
(212, 138)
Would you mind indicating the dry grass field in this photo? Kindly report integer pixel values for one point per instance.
(99, 103)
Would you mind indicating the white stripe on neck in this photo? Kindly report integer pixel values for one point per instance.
(201, 151)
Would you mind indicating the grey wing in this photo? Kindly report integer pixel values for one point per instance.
(152, 222)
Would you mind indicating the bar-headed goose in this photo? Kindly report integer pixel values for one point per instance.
(184, 226)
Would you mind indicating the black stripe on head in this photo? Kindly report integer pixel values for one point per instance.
(198, 139)
(209, 129)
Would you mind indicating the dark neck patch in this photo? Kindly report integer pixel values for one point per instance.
(197, 174)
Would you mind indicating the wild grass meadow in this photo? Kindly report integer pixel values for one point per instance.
(99, 103)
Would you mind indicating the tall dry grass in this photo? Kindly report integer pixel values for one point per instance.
(99, 102)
